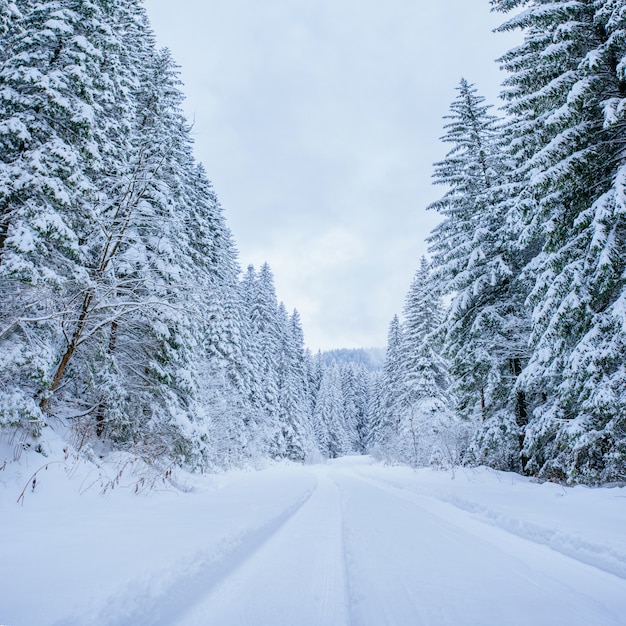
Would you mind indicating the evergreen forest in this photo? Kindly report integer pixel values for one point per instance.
(127, 323)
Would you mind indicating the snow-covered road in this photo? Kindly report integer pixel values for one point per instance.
(296, 577)
(346, 543)
(413, 560)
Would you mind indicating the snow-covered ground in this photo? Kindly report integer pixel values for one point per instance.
(348, 542)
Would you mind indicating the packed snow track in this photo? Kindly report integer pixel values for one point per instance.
(346, 543)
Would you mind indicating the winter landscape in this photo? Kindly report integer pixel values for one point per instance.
(171, 452)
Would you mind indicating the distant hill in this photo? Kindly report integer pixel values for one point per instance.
(370, 358)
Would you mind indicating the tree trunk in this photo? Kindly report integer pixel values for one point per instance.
(521, 410)
(482, 404)
(71, 347)
(4, 227)
(521, 407)
(414, 435)
(100, 411)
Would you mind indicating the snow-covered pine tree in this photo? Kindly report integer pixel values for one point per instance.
(565, 91)
(476, 264)
(350, 411)
(225, 382)
(425, 406)
(119, 274)
(126, 321)
(8, 14)
(301, 373)
(106, 313)
(364, 392)
(265, 332)
(315, 373)
(355, 383)
(373, 425)
(328, 416)
(385, 416)
(293, 403)
(51, 86)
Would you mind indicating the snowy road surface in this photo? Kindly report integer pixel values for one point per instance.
(346, 543)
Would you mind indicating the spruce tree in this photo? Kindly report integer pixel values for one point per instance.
(51, 149)
(329, 424)
(565, 92)
(351, 410)
(425, 404)
(386, 407)
(265, 336)
(293, 404)
(476, 262)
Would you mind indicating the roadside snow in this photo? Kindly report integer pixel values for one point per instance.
(582, 522)
(348, 542)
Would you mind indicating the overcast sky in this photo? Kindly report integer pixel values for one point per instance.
(318, 124)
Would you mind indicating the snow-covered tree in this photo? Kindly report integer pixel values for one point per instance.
(328, 416)
(294, 416)
(265, 337)
(51, 148)
(350, 411)
(122, 301)
(385, 410)
(425, 405)
(476, 264)
(565, 92)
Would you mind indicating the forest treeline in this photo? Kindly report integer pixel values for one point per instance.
(126, 322)
(525, 366)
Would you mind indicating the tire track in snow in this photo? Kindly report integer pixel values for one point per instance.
(601, 557)
(296, 579)
(414, 560)
(369, 580)
(345, 554)
(162, 599)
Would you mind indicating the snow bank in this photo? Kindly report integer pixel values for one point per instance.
(585, 523)
(94, 545)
